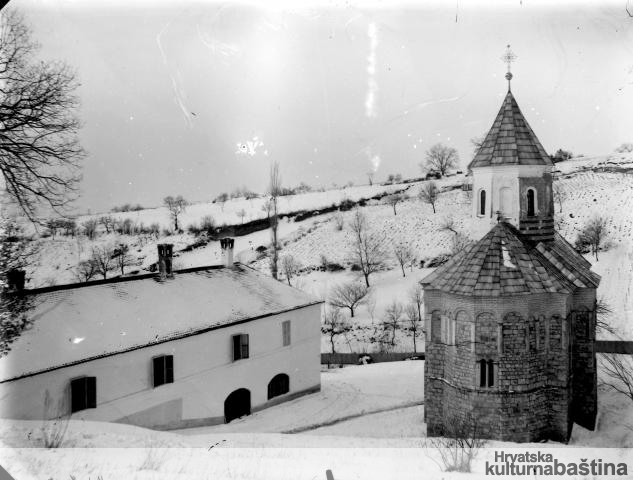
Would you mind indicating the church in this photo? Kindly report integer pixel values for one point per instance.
(511, 320)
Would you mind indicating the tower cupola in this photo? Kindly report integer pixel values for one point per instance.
(512, 175)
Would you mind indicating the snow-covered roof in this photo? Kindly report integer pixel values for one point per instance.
(84, 321)
(510, 140)
(504, 262)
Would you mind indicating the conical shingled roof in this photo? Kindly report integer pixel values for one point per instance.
(505, 263)
(510, 140)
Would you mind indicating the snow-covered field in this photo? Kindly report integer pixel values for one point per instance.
(354, 443)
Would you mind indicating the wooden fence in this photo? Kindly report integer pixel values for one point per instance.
(614, 346)
(352, 358)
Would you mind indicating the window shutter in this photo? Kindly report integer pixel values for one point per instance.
(77, 394)
(236, 347)
(91, 384)
(286, 332)
(244, 345)
(159, 371)
(169, 369)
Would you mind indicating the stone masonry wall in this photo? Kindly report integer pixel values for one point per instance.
(523, 338)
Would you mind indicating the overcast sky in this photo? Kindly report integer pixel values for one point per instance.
(195, 98)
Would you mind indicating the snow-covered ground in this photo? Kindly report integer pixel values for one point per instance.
(389, 444)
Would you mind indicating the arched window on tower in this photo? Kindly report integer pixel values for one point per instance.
(486, 373)
(531, 202)
(482, 202)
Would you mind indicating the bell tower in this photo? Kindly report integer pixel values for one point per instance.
(512, 174)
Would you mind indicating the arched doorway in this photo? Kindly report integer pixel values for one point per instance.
(237, 404)
(279, 385)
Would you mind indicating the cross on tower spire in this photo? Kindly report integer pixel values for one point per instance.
(508, 58)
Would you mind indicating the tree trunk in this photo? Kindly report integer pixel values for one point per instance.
(402, 267)
(332, 343)
(394, 209)
(351, 309)
(288, 278)
(366, 278)
(415, 350)
(433, 205)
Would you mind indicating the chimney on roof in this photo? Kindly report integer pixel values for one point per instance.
(226, 245)
(165, 256)
(15, 280)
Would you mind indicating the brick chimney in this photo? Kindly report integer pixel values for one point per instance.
(165, 256)
(16, 280)
(226, 245)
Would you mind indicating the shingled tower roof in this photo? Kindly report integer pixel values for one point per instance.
(510, 140)
(505, 262)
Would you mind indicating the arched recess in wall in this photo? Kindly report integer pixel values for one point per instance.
(463, 328)
(486, 336)
(436, 326)
(505, 201)
(531, 202)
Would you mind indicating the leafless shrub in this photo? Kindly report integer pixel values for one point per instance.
(348, 295)
(108, 223)
(460, 242)
(618, 369)
(459, 445)
(56, 420)
(394, 200)
(603, 312)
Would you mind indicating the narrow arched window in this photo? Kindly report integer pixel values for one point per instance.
(482, 202)
(482, 373)
(491, 373)
(531, 203)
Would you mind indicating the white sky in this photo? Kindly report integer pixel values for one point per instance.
(195, 98)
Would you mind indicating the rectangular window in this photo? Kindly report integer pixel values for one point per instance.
(285, 331)
(83, 393)
(163, 370)
(240, 346)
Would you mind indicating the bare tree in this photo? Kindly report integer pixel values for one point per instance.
(394, 200)
(86, 270)
(39, 147)
(348, 295)
(391, 320)
(416, 296)
(365, 247)
(275, 191)
(618, 369)
(122, 257)
(370, 304)
(412, 314)
(289, 266)
(429, 193)
(90, 228)
(404, 254)
(560, 195)
(108, 223)
(334, 324)
(370, 177)
(441, 158)
(241, 214)
(102, 256)
(176, 206)
(594, 234)
(17, 252)
(477, 142)
(339, 221)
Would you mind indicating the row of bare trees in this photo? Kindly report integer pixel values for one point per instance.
(351, 295)
(104, 259)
